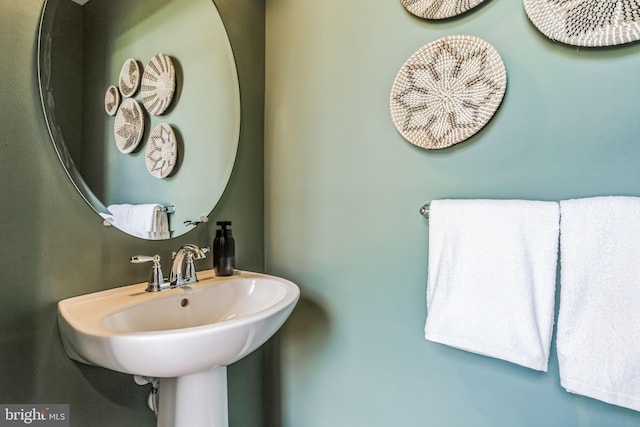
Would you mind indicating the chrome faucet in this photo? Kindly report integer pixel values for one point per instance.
(187, 253)
(156, 282)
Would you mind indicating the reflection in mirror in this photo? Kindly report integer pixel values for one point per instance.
(84, 49)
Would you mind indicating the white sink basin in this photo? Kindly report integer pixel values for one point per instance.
(185, 334)
(176, 332)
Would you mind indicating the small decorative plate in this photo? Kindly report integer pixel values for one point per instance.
(111, 100)
(158, 84)
(447, 91)
(590, 23)
(162, 151)
(129, 125)
(129, 80)
(439, 9)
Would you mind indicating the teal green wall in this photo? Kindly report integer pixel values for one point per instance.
(343, 190)
(54, 246)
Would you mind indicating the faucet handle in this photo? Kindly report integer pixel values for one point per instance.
(156, 282)
(139, 259)
(190, 275)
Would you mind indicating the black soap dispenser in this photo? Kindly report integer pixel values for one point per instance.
(224, 250)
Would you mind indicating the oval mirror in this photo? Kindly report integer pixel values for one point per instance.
(143, 107)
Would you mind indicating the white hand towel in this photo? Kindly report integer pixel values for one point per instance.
(160, 226)
(148, 221)
(492, 274)
(599, 317)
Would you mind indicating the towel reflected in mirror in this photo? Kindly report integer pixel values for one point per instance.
(148, 221)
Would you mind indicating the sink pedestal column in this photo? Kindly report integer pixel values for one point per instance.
(198, 400)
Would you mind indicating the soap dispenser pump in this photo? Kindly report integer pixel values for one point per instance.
(224, 250)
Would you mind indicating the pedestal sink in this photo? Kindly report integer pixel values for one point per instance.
(185, 337)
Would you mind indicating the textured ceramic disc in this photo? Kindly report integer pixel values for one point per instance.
(161, 151)
(158, 84)
(590, 23)
(129, 125)
(129, 79)
(111, 100)
(439, 9)
(447, 91)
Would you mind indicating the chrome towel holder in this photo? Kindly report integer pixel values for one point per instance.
(424, 210)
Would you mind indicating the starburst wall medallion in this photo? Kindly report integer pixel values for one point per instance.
(439, 9)
(158, 84)
(128, 125)
(161, 152)
(589, 23)
(447, 91)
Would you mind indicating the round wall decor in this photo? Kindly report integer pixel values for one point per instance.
(158, 84)
(439, 9)
(162, 151)
(129, 125)
(447, 91)
(111, 100)
(129, 79)
(590, 23)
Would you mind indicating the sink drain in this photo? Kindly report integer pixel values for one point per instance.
(184, 302)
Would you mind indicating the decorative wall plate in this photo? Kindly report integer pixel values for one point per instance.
(158, 84)
(161, 152)
(111, 100)
(447, 91)
(439, 9)
(590, 23)
(129, 80)
(129, 125)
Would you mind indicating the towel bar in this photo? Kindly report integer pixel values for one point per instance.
(170, 209)
(424, 210)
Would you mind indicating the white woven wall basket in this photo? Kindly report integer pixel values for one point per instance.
(590, 23)
(439, 9)
(447, 91)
